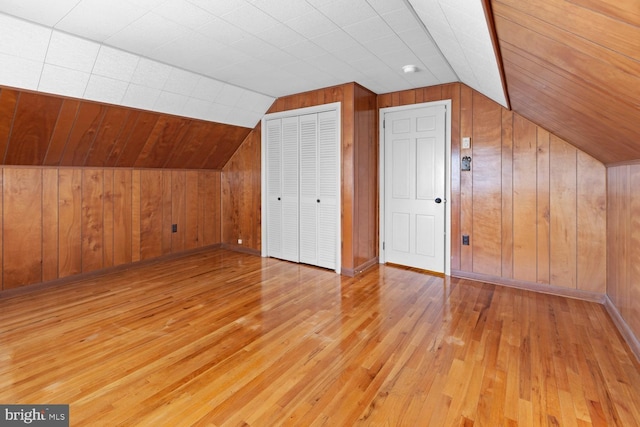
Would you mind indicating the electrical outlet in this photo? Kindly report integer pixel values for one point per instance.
(239, 241)
(465, 239)
(174, 228)
(466, 142)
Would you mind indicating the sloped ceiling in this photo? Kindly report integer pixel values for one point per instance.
(227, 60)
(573, 66)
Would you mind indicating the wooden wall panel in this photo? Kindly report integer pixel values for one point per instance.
(563, 195)
(466, 180)
(543, 220)
(167, 214)
(122, 216)
(22, 227)
(486, 172)
(151, 215)
(92, 219)
(192, 195)
(212, 205)
(8, 103)
(509, 197)
(524, 200)
(32, 129)
(623, 243)
(50, 238)
(108, 219)
(70, 222)
(452, 92)
(178, 210)
(591, 224)
(135, 215)
(47, 130)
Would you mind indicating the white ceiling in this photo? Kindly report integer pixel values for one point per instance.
(227, 60)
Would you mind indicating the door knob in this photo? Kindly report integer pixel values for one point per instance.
(438, 200)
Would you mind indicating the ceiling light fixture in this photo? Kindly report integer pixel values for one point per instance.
(409, 68)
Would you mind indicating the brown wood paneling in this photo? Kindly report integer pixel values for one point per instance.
(543, 207)
(222, 146)
(466, 180)
(167, 213)
(120, 144)
(209, 186)
(70, 222)
(167, 134)
(8, 103)
(85, 128)
(563, 194)
(193, 141)
(122, 216)
(191, 234)
(151, 222)
(64, 124)
(487, 174)
(136, 139)
(508, 196)
(32, 127)
(135, 215)
(631, 286)
(178, 210)
(108, 221)
(576, 77)
(22, 227)
(524, 200)
(50, 224)
(114, 121)
(241, 194)
(591, 224)
(92, 219)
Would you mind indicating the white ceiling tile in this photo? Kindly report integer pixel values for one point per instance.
(250, 19)
(370, 29)
(46, 12)
(19, 72)
(304, 49)
(144, 35)
(244, 118)
(329, 41)
(115, 63)
(141, 96)
(23, 39)
(281, 36)
(105, 89)
(171, 103)
(63, 81)
(98, 20)
(228, 95)
(402, 20)
(218, 8)
(181, 82)
(197, 108)
(183, 13)
(312, 24)
(221, 31)
(150, 73)
(72, 52)
(207, 89)
(386, 6)
(218, 113)
(345, 13)
(283, 10)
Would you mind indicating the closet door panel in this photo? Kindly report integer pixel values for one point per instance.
(274, 184)
(328, 194)
(290, 197)
(309, 188)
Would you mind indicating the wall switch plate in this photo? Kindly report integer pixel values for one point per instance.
(466, 142)
(239, 241)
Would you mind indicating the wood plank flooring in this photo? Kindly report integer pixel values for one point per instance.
(221, 338)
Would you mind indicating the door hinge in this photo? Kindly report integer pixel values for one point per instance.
(384, 124)
(383, 246)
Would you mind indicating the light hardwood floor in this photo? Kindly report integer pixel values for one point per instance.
(223, 338)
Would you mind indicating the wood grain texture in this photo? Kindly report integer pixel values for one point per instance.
(81, 137)
(151, 213)
(22, 227)
(34, 123)
(108, 219)
(328, 351)
(178, 210)
(577, 77)
(50, 239)
(92, 219)
(191, 199)
(466, 180)
(64, 124)
(623, 238)
(8, 103)
(563, 194)
(115, 119)
(508, 195)
(70, 222)
(452, 92)
(524, 200)
(122, 216)
(486, 172)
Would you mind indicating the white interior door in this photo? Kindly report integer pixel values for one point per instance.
(415, 187)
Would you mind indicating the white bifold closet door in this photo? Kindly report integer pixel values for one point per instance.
(303, 194)
(283, 193)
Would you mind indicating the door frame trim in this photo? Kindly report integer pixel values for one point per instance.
(332, 106)
(447, 180)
